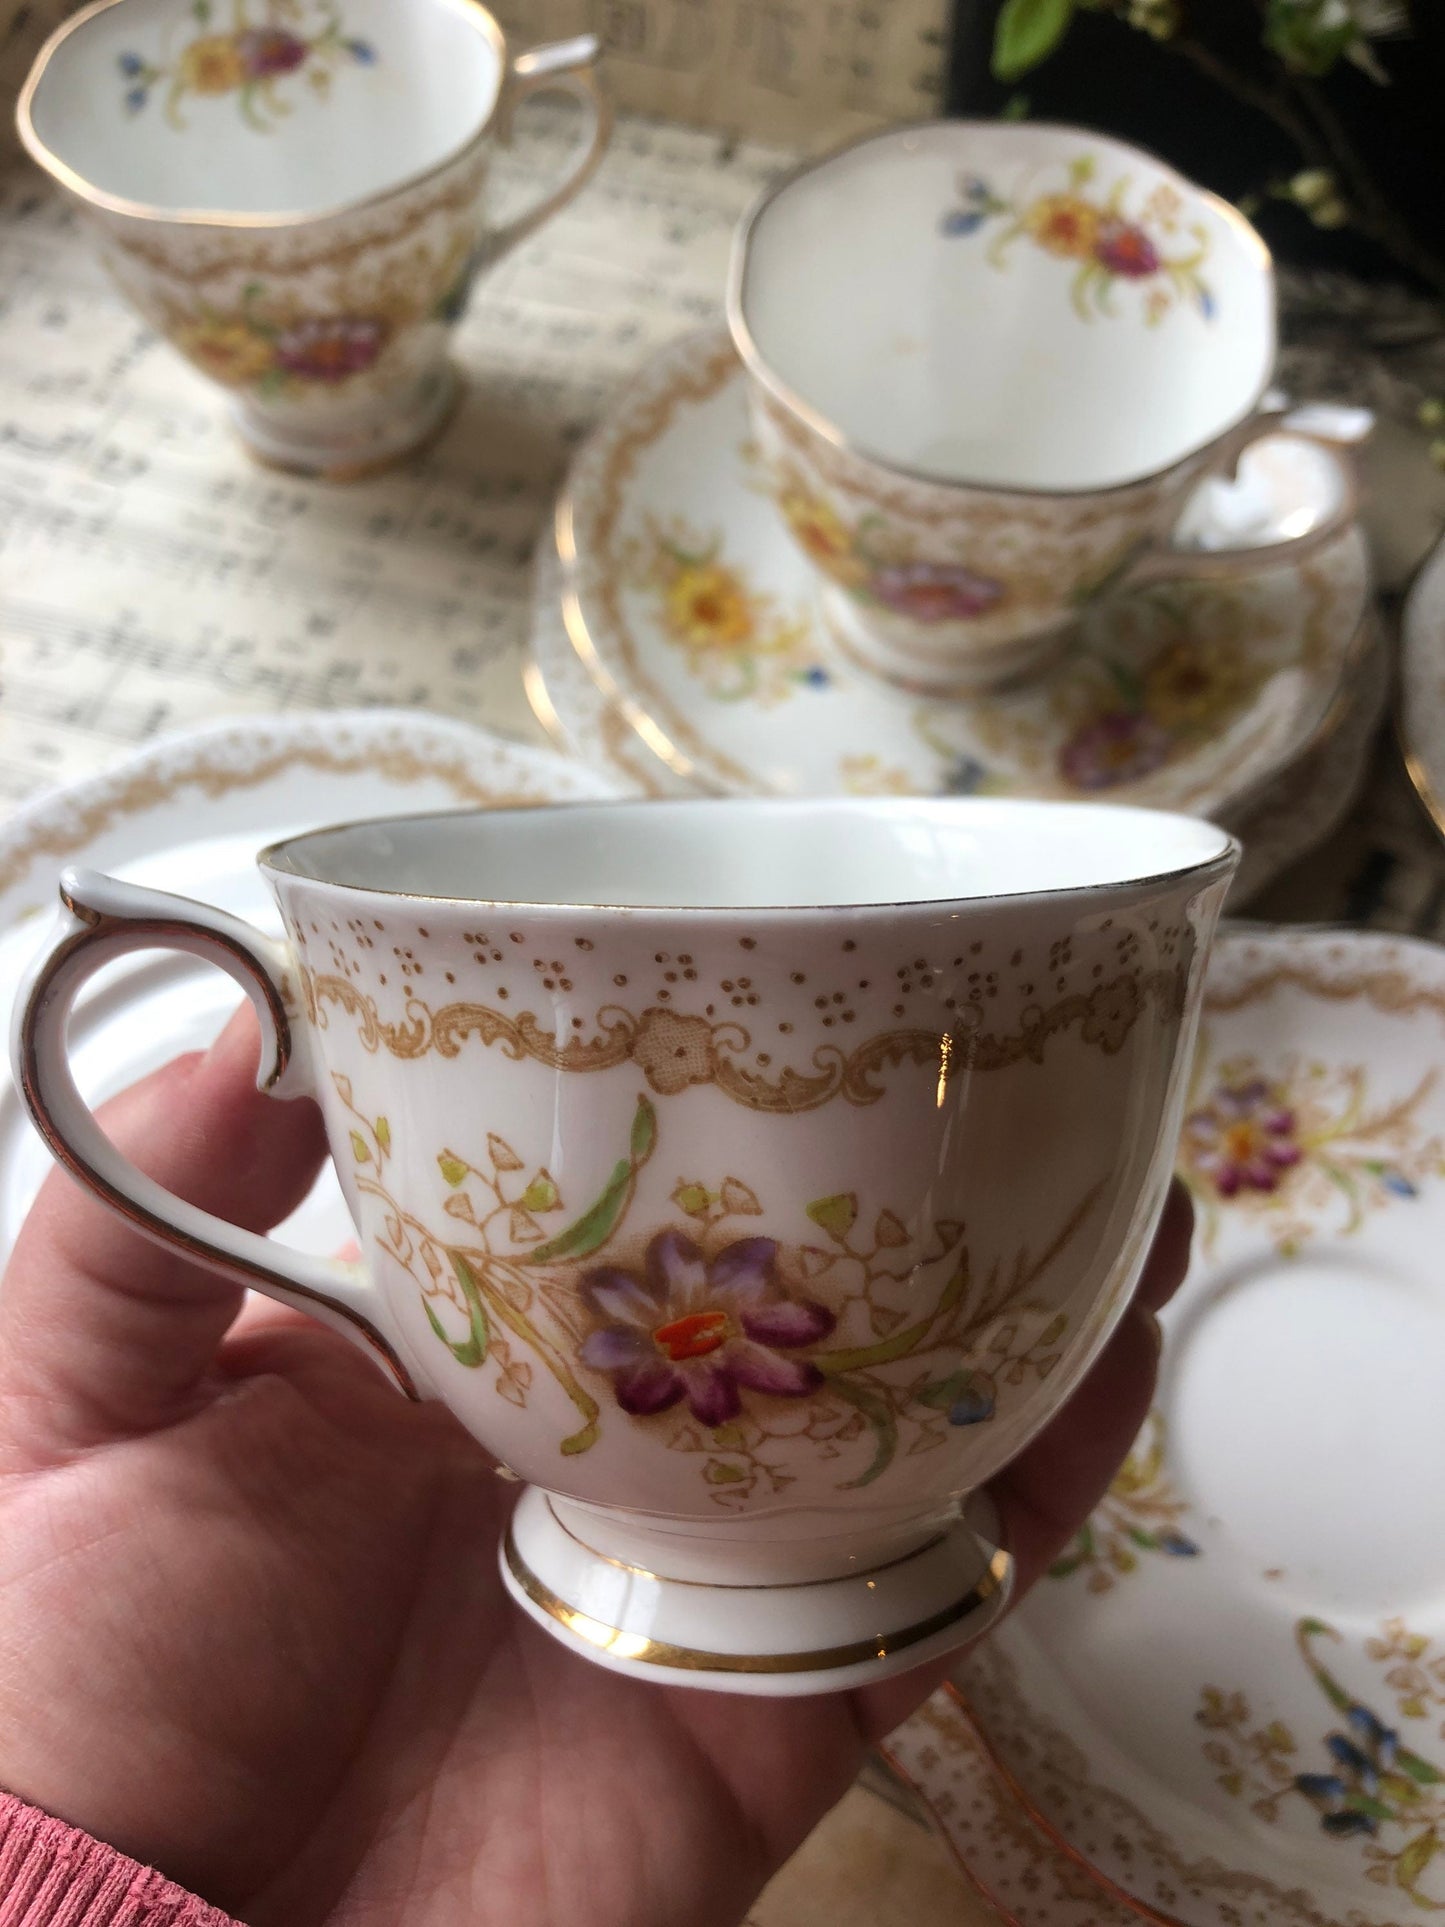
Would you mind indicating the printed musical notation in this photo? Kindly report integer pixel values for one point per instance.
(152, 577)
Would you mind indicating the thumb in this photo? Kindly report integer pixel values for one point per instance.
(104, 1334)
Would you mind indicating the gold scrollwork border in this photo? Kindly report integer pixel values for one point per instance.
(675, 1051)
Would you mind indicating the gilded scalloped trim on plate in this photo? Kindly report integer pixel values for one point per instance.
(129, 793)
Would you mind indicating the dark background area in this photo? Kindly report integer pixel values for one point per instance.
(1111, 77)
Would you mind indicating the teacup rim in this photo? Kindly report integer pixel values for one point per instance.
(1220, 864)
(473, 12)
(759, 370)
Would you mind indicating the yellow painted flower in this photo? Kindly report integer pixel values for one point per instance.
(819, 530)
(227, 351)
(1064, 224)
(708, 608)
(1192, 683)
(213, 64)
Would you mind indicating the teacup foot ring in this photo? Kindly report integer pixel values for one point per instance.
(392, 441)
(821, 1636)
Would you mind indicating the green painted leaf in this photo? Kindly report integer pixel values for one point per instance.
(1027, 31)
(1016, 107)
(836, 1215)
(694, 1199)
(1420, 1771)
(1147, 1541)
(946, 1392)
(592, 1230)
(471, 1350)
(644, 1131)
(1062, 1568)
(383, 1134)
(1415, 1858)
(885, 1427)
(452, 1168)
(1365, 1803)
(541, 1194)
(202, 11)
(719, 1472)
(360, 1149)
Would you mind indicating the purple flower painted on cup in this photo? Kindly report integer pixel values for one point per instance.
(267, 51)
(933, 591)
(1119, 747)
(1125, 249)
(701, 1329)
(330, 349)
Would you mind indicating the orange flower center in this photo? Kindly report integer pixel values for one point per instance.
(694, 1336)
(1242, 1142)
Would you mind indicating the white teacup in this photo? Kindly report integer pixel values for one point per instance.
(294, 192)
(754, 1179)
(987, 362)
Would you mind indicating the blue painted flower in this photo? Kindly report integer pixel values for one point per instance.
(363, 51)
(963, 220)
(965, 777)
(815, 676)
(136, 99)
(1382, 1741)
(130, 65)
(1208, 306)
(1177, 1546)
(1396, 1182)
(972, 1407)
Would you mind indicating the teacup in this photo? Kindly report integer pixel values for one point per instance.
(987, 362)
(293, 192)
(754, 1179)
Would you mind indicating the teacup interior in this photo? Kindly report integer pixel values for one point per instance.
(754, 854)
(264, 107)
(1013, 306)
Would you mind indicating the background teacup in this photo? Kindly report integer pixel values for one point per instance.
(756, 1236)
(987, 362)
(294, 192)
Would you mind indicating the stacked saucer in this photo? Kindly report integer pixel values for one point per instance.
(679, 645)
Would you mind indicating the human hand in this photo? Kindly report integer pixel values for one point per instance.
(252, 1630)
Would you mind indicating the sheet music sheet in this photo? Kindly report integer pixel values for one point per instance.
(151, 576)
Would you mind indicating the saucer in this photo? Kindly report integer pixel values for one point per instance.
(693, 610)
(1288, 816)
(1422, 685)
(1228, 1701)
(188, 814)
(572, 710)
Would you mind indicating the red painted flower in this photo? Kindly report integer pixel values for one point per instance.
(1125, 249)
(270, 50)
(697, 1328)
(1244, 1139)
(934, 592)
(330, 349)
(1116, 748)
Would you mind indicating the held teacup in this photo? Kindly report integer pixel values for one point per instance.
(295, 193)
(753, 1179)
(987, 363)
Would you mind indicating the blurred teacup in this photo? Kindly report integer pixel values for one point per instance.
(987, 364)
(755, 1179)
(294, 193)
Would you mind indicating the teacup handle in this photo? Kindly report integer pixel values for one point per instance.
(104, 920)
(559, 67)
(1160, 559)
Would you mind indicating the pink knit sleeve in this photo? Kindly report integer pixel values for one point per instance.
(52, 1875)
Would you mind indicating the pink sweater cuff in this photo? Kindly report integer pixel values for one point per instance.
(52, 1875)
